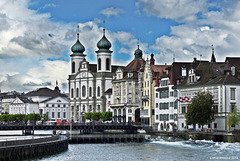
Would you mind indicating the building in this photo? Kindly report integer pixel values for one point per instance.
(148, 79)
(23, 105)
(221, 79)
(89, 82)
(125, 88)
(6, 99)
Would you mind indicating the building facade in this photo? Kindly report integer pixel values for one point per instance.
(89, 82)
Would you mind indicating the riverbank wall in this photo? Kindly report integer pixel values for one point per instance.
(107, 138)
(32, 148)
(217, 137)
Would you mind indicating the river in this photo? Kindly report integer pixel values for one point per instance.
(157, 149)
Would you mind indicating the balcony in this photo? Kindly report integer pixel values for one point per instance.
(145, 98)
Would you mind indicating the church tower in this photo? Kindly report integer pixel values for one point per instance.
(77, 56)
(104, 55)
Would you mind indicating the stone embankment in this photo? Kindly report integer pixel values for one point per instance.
(32, 148)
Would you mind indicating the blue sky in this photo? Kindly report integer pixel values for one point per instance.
(37, 35)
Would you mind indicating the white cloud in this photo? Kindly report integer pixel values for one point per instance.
(172, 9)
(112, 11)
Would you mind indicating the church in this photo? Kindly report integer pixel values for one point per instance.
(89, 82)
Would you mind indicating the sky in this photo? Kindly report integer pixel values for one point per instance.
(36, 35)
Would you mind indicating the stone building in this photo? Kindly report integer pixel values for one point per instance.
(125, 89)
(89, 82)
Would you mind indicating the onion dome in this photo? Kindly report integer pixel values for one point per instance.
(78, 48)
(104, 44)
(138, 53)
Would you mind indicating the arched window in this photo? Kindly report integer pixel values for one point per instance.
(77, 92)
(83, 91)
(73, 67)
(107, 64)
(99, 107)
(124, 111)
(83, 108)
(115, 112)
(72, 93)
(90, 91)
(98, 91)
(99, 64)
(119, 112)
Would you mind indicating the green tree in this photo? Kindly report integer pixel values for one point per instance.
(97, 116)
(34, 117)
(106, 116)
(200, 111)
(45, 117)
(233, 118)
(88, 116)
(12, 117)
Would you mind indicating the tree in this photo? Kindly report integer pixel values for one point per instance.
(200, 111)
(106, 116)
(233, 118)
(45, 117)
(88, 116)
(97, 116)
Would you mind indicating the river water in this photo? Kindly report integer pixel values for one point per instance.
(159, 149)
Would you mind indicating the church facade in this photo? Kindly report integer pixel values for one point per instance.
(89, 82)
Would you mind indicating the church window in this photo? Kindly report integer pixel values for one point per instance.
(108, 64)
(90, 91)
(72, 93)
(83, 91)
(77, 92)
(99, 64)
(98, 91)
(73, 67)
(83, 108)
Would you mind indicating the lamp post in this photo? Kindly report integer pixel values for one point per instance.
(33, 121)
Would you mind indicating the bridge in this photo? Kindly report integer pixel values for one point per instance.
(83, 128)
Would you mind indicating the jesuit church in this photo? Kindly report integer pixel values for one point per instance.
(89, 82)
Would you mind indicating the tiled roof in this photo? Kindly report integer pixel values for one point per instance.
(158, 70)
(26, 100)
(134, 65)
(45, 92)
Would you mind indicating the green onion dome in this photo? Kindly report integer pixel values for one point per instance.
(138, 53)
(104, 43)
(78, 47)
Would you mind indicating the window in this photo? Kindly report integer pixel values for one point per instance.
(99, 64)
(73, 67)
(156, 95)
(175, 105)
(184, 72)
(182, 125)
(156, 117)
(72, 93)
(183, 109)
(99, 107)
(107, 64)
(52, 114)
(64, 114)
(90, 107)
(156, 105)
(64, 105)
(58, 114)
(171, 104)
(98, 91)
(232, 106)
(215, 108)
(171, 94)
(83, 108)
(124, 111)
(52, 105)
(83, 91)
(164, 106)
(119, 112)
(90, 91)
(77, 91)
(215, 125)
(129, 110)
(232, 93)
(46, 105)
(115, 112)
(58, 105)
(164, 94)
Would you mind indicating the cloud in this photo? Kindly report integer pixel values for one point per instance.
(172, 9)
(43, 74)
(112, 12)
